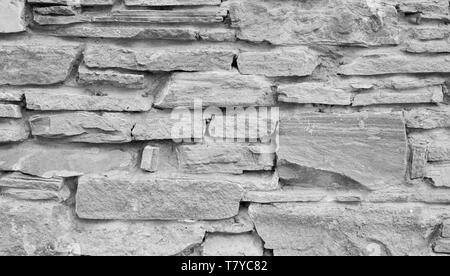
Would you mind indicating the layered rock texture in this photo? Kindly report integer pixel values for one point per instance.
(224, 127)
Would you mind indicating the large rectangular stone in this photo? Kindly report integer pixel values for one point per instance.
(150, 196)
(84, 127)
(169, 58)
(349, 151)
(58, 99)
(24, 63)
(12, 14)
(13, 131)
(341, 22)
(291, 61)
(395, 63)
(62, 161)
(348, 230)
(219, 89)
(225, 158)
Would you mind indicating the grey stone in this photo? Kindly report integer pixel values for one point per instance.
(10, 111)
(431, 94)
(58, 99)
(446, 229)
(440, 174)
(149, 196)
(84, 127)
(150, 159)
(48, 228)
(428, 118)
(13, 131)
(330, 229)
(22, 181)
(354, 151)
(305, 93)
(395, 63)
(225, 158)
(36, 64)
(169, 58)
(248, 244)
(442, 246)
(342, 22)
(292, 61)
(35, 195)
(111, 78)
(61, 161)
(152, 3)
(12, 16)
(215, 89)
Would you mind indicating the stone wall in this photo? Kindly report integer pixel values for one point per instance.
(356, 163)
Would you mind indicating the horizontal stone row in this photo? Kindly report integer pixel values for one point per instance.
(56, 231)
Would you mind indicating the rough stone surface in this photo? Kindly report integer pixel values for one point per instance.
(326, 229)
(446, 229)
(12, 16)
(432, 94)
(284, 62)
(36, 64)
(46, 228)
(233, 245)
(440, 174)
(442, 246)
(343, 22)
(428, 118)
(58, 100)
(150, 159)
(215, 89)
(160, 59)
(352, 148)
(395, 63)
(143, 197)
(60, 161)
(83, 127)
(223, 158)
(12, 131)
(305, 93)
(10, 111)
(112, 78)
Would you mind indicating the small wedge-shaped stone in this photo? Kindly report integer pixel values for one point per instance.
(428, 118)
(158, 3)
(83, 127)
(295, 61)
(59, 100)
(150, 196)
(431, 94)
(12, 131)
(61, 161)
(10, 111)
(150, 159)
(12, 16)
(170, 58)
(220, 89)
(225, 158)
(318, 93)
(36, 64)
(22, 181)
(111, 77)
(395, 63)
